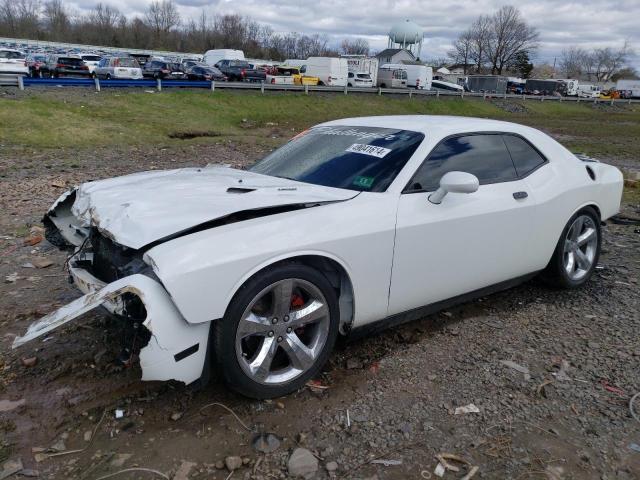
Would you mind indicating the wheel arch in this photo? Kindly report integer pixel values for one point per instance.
(330, 266)
(582, 207)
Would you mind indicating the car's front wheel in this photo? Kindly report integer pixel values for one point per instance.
(577, 252)
(278, 331)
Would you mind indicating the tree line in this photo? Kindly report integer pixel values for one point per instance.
(599, 64)
(161, 28)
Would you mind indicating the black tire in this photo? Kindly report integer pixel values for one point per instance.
(224, 331)
(555, 274)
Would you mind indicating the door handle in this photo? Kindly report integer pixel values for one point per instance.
(520, 195)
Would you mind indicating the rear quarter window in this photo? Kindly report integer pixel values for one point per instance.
(525, 157)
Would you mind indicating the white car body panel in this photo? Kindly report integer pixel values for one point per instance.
(454, 247)
(395, 251)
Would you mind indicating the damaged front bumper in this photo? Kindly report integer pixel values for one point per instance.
(176, 349)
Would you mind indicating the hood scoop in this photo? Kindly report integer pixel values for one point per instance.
(240, 190)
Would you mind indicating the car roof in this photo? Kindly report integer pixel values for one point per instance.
(434, 125)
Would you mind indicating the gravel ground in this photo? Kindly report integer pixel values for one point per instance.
(384, 407)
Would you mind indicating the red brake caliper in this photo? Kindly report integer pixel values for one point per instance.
(297, 302)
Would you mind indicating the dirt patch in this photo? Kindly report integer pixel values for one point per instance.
(511, 106)
(191, 135)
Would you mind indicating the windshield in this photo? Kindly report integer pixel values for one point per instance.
(355, 158)
(364, 76)
(91, 58)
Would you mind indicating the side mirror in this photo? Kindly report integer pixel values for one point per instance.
(454, 182)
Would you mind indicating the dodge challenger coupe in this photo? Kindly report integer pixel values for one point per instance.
(352, 223)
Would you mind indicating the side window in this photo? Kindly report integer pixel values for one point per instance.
(484, 156)
(525, 157)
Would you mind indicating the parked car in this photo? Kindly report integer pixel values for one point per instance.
(392, 77)
(187, 64)
(141, 58)
(163, 70)
(262, 269)
(13, 61)
(125, 68)
(289, 75)
(200, 72)
(91, 60)
(240, 71)
(34, 62)
(446, 86)
(64, 66)
(359, 79)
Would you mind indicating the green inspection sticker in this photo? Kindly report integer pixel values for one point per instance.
(364, 182)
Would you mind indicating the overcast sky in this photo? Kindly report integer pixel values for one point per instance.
(588, 23)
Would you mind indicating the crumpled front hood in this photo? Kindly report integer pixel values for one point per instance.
(136, 210)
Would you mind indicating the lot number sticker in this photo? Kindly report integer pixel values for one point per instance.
(371, 150)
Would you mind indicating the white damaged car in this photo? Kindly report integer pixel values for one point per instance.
(355, 223)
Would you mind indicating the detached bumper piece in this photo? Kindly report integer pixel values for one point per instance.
(176, 350)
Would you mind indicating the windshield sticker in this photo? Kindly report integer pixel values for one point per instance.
(353, 132)
(364, 182)
(370, 150)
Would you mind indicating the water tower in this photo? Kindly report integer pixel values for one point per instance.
(407, 35)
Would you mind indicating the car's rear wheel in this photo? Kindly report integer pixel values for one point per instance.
(278, 331)
(577, 252)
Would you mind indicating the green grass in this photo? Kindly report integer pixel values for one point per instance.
(77, 119)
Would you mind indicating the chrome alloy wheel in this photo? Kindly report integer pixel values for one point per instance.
(580, 247)
(282, 331)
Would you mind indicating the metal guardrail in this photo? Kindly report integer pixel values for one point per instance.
(22, 82)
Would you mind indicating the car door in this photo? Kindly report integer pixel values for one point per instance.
(468, 241)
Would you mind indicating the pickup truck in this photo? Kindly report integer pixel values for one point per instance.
(240, 71)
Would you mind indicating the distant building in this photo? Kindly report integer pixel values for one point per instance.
(395, 55)
(459, 68)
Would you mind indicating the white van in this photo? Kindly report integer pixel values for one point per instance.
(331, 71)
(630, 86)
(211, 57)
(418, 76)
(588, 91)
(390, 77)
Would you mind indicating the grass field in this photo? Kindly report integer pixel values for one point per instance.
(82, 118)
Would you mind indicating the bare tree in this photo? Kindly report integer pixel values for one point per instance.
(356, 46)
(162, 16)
(57, 19)
(607, 61)
(574, 61)
(462, 48)
(509, 35)
(480, 33)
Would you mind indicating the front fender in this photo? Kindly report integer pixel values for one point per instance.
(202, 271)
